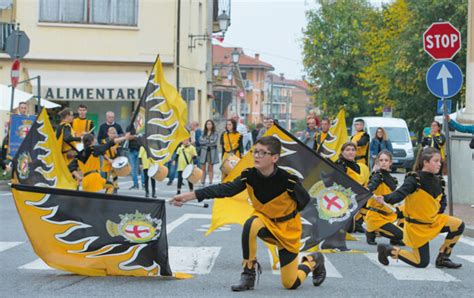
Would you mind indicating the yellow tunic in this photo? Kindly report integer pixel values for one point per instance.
(112, 154)
(81, 126)
(363, 177)
(374, 220)
(189, 152)
(66, 148)
(233, 145)
(422, 207)
(287, 233)
(362, 151)
(92, 180)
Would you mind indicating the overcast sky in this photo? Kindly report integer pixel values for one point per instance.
(272, 28)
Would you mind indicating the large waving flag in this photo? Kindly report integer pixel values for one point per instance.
(95, 234)
(335, 197)
(38, 160)
(160, 118)
(336, 137)
(82, 232)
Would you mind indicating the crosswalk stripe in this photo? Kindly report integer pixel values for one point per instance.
(466, 257)
(468, 241)
(402, 271)
(331, 271)
(4, 245)
(192, 260)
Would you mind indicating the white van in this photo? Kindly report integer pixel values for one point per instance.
(399, 135)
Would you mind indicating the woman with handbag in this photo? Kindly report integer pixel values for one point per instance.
(208, 155)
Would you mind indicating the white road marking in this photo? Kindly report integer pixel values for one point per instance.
(4, 245)
(37, 264)
(331, 271)
(402, 271)
(466, 257)
(193, 260)
(183, 218)
(6, 193)
(466, 240)
(205, 228)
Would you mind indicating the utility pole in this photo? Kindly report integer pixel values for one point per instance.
(271, 96)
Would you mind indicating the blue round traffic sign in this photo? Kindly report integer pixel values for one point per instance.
(444, 79)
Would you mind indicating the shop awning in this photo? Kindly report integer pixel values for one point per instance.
(89, 86)
(20, 96)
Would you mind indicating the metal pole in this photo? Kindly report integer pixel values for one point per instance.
(271, 96)
(288, 112)
(12, 99)
(448, 156)
(178, 29)
(39, 93)
(16, 32)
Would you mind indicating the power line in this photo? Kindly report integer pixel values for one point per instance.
(263, 52)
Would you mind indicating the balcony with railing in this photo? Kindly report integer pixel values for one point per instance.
(6, 30)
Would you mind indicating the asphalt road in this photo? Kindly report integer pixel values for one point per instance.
(215, 262)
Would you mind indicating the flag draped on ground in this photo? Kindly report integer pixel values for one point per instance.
(336, 137)
(160, 118)
(83, 232)
(335, 197)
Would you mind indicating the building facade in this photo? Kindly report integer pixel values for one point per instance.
(100, 52)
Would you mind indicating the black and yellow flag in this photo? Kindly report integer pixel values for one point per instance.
(335, 197)
(336, 137)
(95, 234)
(160, 118)
(38, 160)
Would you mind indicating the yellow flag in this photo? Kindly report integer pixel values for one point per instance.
(160, 118)
(336, 137)
(38, 161)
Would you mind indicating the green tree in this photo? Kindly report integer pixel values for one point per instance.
(333, 56)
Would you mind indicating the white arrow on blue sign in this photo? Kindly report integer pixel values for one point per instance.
(444, 79)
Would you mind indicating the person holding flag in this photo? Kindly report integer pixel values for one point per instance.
(361, 139)
(320, 137)
(66, 136)
(359, 172)
(277, 198)
(380, 217)
(425, 202)
(88, 162)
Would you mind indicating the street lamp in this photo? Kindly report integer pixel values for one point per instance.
(235, 55)
(216, 70)
(223, 19)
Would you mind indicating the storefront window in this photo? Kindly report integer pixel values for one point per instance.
(104, 12)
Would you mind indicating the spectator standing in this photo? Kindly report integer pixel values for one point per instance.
(267, 123)
(256, 131)
(462, 128)
(133, 150)
(209, 155)
(380, 142)
(196, 133)
(104, 127)
(308, 135)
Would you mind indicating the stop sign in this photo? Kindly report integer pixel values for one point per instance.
(15, 72)
(442, 41)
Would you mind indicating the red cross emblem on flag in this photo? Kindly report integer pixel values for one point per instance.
(137, 231)
(332, 202)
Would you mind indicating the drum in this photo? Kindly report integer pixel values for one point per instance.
(157, 172)
(121, 166)
(229, 163)
(192, 173)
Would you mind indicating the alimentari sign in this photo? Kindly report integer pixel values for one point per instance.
(82, 93)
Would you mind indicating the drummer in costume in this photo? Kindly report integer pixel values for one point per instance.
(109, 157)
(88, 163)
(145, 164)
(66, 136)
(184, 156)
(81, 125)
(436, 139)
(380, 217)
(320, 137)
(277, 197)
(357, 171)
(424, 219)
(361, 139)
(231, 142)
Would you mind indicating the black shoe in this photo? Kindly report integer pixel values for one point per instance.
(247, 278)
(153, 195)
(397, 242)
(370, 238)
(169, 182)
(133, 187)
(443, 261)
(384, 251)
(319, 272)
(147, 194)
(358, 227)
(178, 192)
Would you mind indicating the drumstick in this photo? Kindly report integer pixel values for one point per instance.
(193, 204)
(394, 210)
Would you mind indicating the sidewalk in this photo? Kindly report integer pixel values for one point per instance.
(466, 213)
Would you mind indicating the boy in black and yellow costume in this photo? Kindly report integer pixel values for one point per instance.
(380, 217)
(81, 125)
(276, 196)
(88, 163)
(362, 140)
(424, 205)
(321, 136)
(66, 136)
(109, 156)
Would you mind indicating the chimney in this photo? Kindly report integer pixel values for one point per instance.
(257, 56)
(282, 76)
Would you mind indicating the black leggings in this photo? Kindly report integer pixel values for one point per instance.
(292, 273)
(391, 231)
(180, 181)
(153, 181)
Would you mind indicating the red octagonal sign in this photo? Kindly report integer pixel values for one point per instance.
(442, 41)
